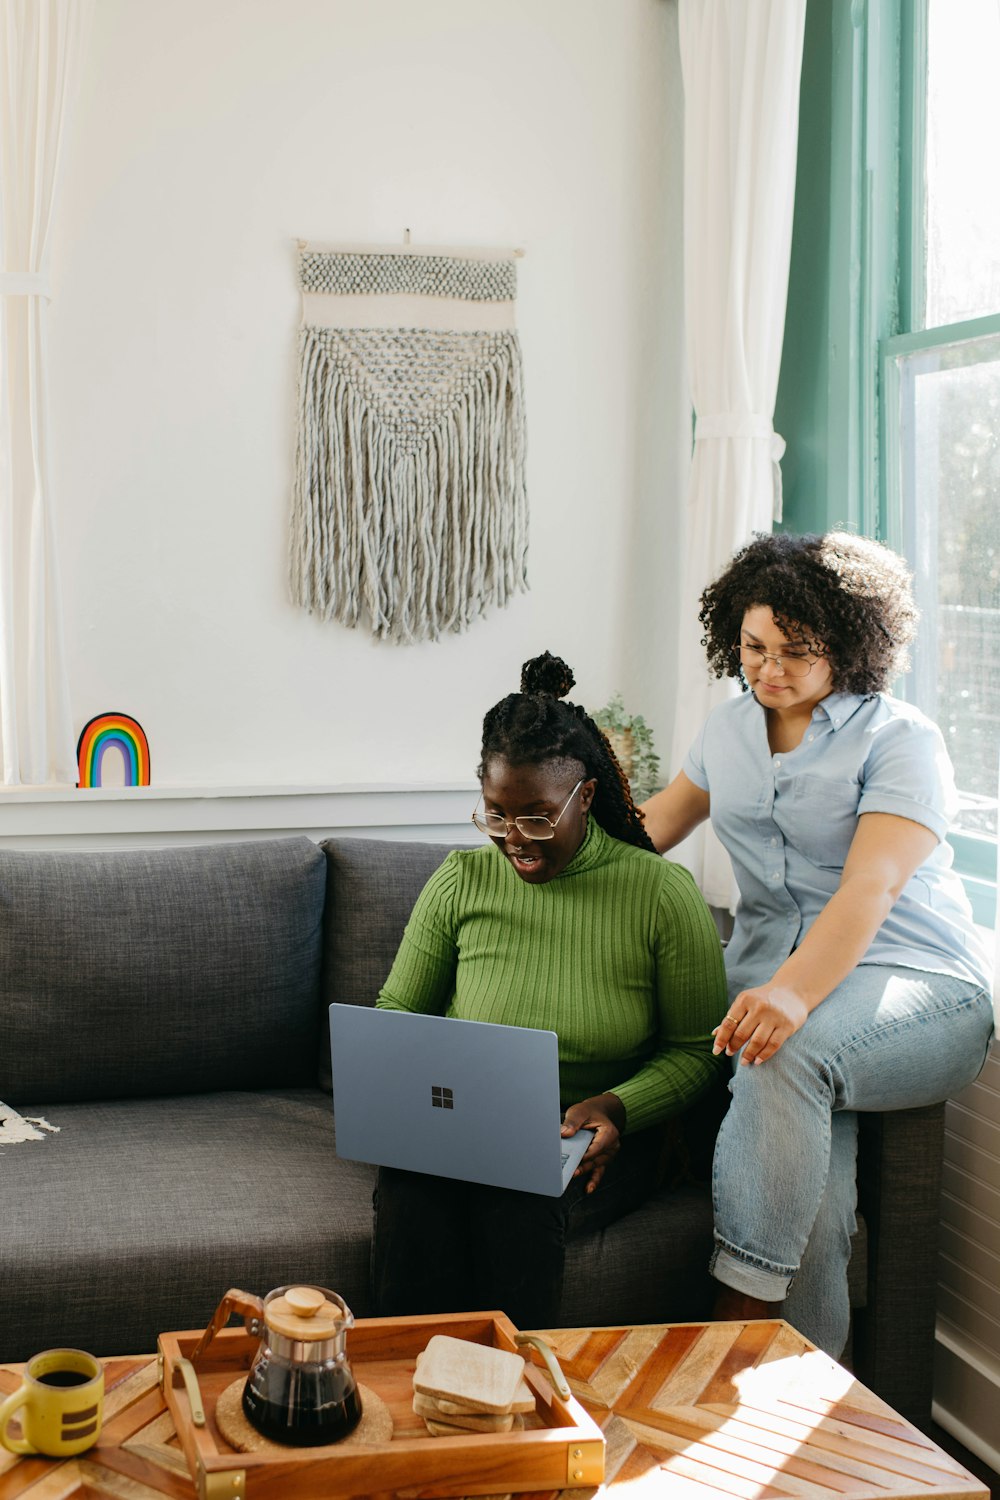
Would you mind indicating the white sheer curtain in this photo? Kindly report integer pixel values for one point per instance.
(41, 49)
(741, 61)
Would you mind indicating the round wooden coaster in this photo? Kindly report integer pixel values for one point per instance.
(375, 1425)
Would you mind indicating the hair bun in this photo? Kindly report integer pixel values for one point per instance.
(547, 674)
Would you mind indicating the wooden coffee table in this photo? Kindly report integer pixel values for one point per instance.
(690, 1411)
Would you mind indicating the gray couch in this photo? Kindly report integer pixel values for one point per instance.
(165, 1010)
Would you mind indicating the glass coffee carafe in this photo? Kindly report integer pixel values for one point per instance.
(301, 1389)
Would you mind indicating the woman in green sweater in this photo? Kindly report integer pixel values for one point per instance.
(566, 921)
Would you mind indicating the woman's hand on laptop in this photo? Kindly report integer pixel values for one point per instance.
(605, 1115)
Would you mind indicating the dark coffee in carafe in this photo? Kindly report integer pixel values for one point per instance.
(301, 1407)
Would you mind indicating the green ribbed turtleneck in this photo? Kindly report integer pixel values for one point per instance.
(618, 955)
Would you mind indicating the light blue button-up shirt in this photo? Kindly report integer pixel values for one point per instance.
(787, 821)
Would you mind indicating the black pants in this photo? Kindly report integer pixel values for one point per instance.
(447, 1246)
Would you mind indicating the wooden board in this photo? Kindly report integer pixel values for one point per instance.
(480, 1377)
(689, 1412)
(749, 1410)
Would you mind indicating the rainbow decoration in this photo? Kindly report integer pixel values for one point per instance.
(127, 735)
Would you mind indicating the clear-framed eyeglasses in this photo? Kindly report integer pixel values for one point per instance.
(791, 664)
(535, 829)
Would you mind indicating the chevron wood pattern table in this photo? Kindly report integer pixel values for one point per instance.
(690, 1411)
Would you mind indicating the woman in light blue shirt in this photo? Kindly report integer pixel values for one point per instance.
(857, 979)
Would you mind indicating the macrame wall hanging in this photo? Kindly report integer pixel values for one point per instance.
(410, 515)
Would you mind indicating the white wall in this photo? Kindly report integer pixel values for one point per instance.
(209, 135)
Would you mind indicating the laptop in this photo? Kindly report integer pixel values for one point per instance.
(465, 1099)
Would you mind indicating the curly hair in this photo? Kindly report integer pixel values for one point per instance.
(533, 726)
(847, 596)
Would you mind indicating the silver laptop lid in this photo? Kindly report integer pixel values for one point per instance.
(465, 1099)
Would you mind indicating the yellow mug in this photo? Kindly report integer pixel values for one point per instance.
(60, 1402)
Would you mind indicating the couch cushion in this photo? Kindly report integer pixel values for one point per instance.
(161, 971)
(137, 1217)
(371, 887)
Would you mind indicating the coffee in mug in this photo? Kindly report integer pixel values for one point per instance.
(59, 1405)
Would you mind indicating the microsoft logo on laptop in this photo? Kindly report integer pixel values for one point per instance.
(442, 1098)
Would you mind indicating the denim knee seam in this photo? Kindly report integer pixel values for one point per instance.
(902, 1023)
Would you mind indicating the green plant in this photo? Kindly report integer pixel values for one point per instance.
(632, 741)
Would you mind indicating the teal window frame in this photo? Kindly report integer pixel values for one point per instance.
(975, 856)
(856, 290)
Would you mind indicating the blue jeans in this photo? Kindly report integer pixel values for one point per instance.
(783, 1181)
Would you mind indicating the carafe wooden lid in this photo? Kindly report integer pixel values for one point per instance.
(303, 1313)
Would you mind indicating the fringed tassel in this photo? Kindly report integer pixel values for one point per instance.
(413, 539)
(15, 1128)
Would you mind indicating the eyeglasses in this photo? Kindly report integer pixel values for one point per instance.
(791, 666)
(529, 828)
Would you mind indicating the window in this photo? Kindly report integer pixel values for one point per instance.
(891, 393)
(962, 114)
(941, 404)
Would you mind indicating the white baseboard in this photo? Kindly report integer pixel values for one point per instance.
(967, 1395)
(145, 817)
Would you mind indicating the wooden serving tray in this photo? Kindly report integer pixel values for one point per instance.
(560, 1446)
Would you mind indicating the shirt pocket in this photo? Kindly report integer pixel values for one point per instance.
(819, 818)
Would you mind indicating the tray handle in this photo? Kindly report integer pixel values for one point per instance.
(558, 1379)
(186, 1370)
(250, 1309)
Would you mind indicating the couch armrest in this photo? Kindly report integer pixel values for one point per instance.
(899, 1191)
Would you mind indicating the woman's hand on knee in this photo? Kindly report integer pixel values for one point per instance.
(760, 1021)
(605, 1115)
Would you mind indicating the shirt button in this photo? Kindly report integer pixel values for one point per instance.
(777, 760)
(776, 875)
(808, 736)
(773, 842)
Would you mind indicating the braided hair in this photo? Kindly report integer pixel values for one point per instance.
(534, 726)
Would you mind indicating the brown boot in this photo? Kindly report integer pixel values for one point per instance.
(731, 1306)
